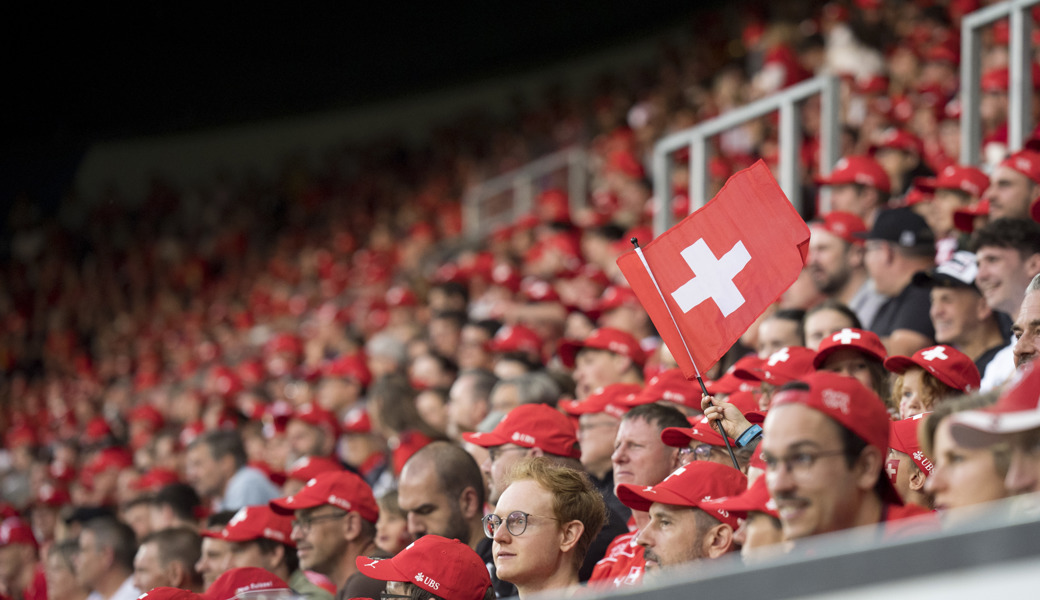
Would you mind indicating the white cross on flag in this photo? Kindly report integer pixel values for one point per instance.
(720, 267)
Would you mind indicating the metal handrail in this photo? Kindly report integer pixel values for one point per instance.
(1019, 70)
(522, 183)
(696, 138)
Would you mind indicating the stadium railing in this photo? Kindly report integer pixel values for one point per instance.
(786, 101)
(1020, 94)
(503, 199)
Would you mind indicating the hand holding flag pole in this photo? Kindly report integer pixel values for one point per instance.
(700, 380)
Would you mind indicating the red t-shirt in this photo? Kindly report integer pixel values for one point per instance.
(622, 564)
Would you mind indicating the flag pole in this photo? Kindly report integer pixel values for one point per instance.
(700, 380)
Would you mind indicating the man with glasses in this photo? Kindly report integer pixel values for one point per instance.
(260, 537)
(432, 568)
(702, 443)
(335, 523)
(641, 459)
(824, 446)
(538, 430)
(543, 525)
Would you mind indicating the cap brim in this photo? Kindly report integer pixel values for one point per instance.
(382, 569)
(636, 498)
(899, 364)
(300, 501)
(485, 440)
(676, 437)
(568, 352)
(927, 184)
(982, 428)
(749, 374)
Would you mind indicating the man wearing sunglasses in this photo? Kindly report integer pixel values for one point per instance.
(543, 525)
(824, 447)
(334, 523)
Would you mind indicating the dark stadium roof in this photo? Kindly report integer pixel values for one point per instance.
(159, 67)
(88, 72)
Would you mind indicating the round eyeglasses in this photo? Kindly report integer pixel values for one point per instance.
(516, 523)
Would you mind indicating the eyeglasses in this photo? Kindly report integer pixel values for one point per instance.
(497, 451)
(516, 523)
(797, 463)
(305, 523)
(698, 452)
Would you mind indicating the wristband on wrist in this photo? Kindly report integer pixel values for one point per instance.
(749, 435)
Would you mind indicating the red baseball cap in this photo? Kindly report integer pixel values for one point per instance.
(1017, 409)
(948, 364)
(604, 338)
(902, 437)
(306, 468)
(616, 296)
(443, 567)
(849, 403)
(357, 421)
(701, 431)
(614, 399)
(690, 485)
(20, 435)
(516, 338)
(538, 290)
(1026, 162)
(955, 177)
(865, 341)
(254, 523)
(844, 225)
(400, 296)
(897, 139)
(154, 479)
(532, 426)
(341, 489)
(51, 495)
(13, 530)
(351, 366)
(786, 364)
(729, 382)
(312, 414)
(669, 386)
(754, 499)
(964, 218)
(857, 169)
(148, 414)
(245, 579)
(169, 593)
(626, 163)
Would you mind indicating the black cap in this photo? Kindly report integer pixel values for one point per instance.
(901, 226)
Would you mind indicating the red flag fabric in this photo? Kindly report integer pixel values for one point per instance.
(720, 267)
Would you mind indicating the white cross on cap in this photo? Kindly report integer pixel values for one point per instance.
(779, 356)
(713, 277)
(934, 353)
(845, 336)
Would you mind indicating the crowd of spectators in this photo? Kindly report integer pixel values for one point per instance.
(313, 373)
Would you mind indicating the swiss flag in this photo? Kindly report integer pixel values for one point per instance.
(720, 267)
